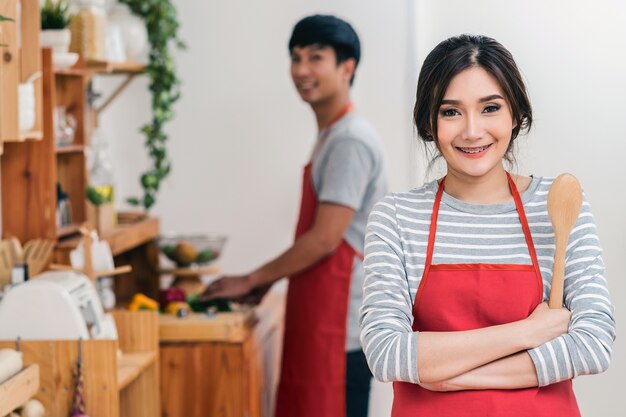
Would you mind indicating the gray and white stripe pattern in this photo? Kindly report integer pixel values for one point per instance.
(395, 251)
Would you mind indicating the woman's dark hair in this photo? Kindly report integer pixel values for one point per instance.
(330, 31)
(459, 53)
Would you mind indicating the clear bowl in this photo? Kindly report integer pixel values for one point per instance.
(192, 250)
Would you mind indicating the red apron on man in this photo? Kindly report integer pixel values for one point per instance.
(457, 297)
(313, 374)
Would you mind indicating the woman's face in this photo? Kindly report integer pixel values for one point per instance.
(474, 125)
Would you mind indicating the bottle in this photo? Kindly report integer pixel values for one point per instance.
(64, 209)
(88, 29)
(101, 176)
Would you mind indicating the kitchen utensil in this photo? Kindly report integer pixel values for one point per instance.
(565, 199)
(6, 263)
(124, 269)
(17, 252)
(37, 254)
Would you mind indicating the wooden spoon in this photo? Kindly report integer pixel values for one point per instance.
(565, 199)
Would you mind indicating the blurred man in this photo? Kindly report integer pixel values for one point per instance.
(324, 372)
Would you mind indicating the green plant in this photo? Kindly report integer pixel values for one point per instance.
(162, 25)
(5, 19)
(55, 15)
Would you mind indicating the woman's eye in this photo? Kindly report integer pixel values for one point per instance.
(491, 108)
(449, 112)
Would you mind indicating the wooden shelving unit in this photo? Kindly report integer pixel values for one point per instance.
(18, 389)
(31, 170)
(113, 387)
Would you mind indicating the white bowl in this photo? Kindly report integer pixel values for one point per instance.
(64, 59)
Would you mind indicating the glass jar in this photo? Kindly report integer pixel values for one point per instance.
(88, 29)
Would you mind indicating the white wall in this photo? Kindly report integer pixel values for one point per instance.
(241, 134)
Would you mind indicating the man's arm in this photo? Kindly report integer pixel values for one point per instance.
(330, 224)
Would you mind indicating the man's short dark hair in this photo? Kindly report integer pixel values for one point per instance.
(324, 30)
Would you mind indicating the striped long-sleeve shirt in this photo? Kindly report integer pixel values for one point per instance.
(395, 251)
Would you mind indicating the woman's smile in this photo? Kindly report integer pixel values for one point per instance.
(474, 152)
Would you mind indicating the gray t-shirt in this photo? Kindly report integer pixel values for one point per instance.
(348, 170)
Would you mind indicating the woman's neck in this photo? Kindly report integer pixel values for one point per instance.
(491, 188)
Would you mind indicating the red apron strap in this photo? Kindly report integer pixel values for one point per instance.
(431, 242)
(526, 228)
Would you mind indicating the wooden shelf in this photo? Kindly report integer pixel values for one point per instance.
(106, 67)
(123, 237)
(72, 72)
(32, 135)
(131, 365)
(68, 230)
(192, 271)
(69, 149)
(18, 389)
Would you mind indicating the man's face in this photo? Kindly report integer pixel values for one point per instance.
(316, 75)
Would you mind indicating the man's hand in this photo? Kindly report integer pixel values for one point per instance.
(255, 296)
(230, 287)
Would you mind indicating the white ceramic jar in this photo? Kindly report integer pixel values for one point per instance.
(133, 31)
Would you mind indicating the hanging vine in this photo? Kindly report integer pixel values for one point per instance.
(162, 25)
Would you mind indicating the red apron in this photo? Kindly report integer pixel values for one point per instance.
(313, 380)
(470, 296)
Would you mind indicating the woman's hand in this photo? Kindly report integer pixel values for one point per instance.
(547, 324)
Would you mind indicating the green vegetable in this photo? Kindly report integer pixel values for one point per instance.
(198, 306)
(168, 250)
(206, 256)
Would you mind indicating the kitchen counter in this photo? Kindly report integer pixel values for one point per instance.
(226, 365)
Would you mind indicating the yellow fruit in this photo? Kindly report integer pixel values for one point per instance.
(185, 252)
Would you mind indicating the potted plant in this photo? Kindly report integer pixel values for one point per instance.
(55, 20)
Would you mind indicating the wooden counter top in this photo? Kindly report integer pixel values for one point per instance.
(223, 327)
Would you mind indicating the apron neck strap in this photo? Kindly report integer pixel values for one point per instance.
(520, 211)
(344, 110)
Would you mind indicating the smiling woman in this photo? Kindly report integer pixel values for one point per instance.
(457, 271)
